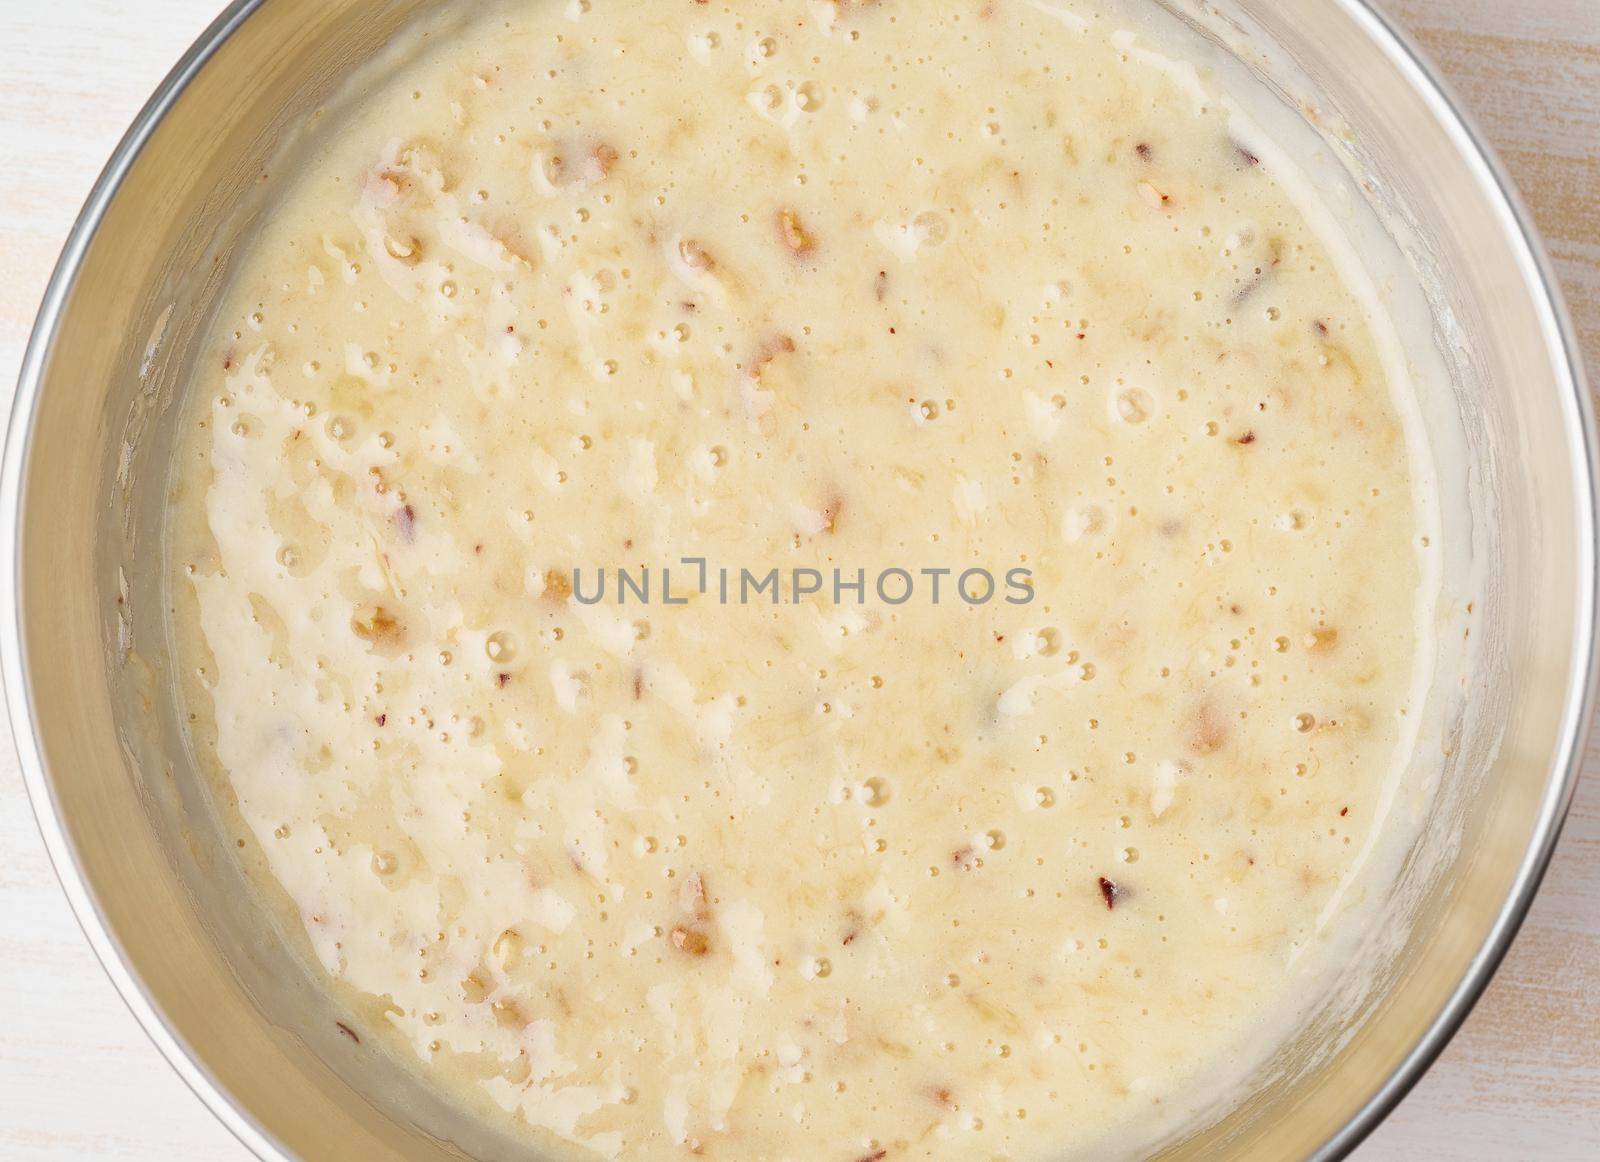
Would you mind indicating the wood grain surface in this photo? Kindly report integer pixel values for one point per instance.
(79, 1081)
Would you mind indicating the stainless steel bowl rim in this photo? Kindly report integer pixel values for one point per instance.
(1561, 342)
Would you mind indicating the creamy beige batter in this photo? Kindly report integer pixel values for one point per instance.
(855, 286)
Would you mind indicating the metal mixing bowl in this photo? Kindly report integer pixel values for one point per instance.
(86, 653)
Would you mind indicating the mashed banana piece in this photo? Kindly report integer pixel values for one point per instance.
(866, 286)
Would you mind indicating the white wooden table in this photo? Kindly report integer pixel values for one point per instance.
(79, 1081)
